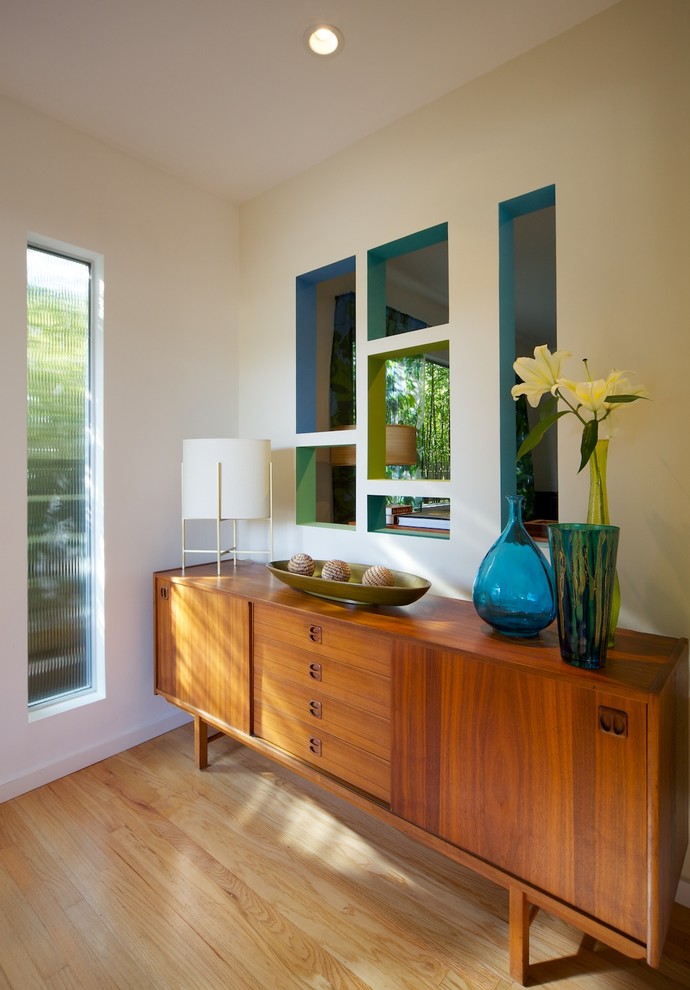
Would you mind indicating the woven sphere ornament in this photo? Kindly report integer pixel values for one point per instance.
(378, 576)
(336, 570)
(301, 563)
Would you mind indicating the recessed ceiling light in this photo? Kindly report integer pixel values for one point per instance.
(324, 39)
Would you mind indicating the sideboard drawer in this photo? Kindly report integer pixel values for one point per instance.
(327, 677)
(316, 635)
(322, 692)
(322, 713)
(324, 751)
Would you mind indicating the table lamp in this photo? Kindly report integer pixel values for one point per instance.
(226, 480)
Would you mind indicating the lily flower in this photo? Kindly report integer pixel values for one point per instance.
(539, 373)
(623, 390)
(590, 395)
(591, 401)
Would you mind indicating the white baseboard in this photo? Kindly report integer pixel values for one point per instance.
(87, 757)
(683, 892)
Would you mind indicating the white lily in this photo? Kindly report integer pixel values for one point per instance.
(591, 401)
(623, 386)
(539, 373)
(589, 395)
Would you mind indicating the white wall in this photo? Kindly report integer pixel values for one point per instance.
(602, 112)
(170, 372)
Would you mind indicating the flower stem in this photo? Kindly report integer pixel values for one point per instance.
(598, 507)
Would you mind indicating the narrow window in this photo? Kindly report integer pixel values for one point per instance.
(60, 476)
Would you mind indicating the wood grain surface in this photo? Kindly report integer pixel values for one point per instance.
(141, 872)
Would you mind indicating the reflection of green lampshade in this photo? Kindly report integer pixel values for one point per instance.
(401, 445)
(344, 456)
(401, 448)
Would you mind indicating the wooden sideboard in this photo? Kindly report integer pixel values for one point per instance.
(567, 787)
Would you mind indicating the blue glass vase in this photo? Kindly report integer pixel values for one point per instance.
(513, 590)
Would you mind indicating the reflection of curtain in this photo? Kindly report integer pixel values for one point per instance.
(524, 469)
(342, 401)
(342, 384)
(397, 322)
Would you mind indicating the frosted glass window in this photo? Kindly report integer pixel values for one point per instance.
(59, 476)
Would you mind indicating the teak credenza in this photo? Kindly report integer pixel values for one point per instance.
(567, 787)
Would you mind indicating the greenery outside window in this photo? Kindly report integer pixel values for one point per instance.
(62, 477)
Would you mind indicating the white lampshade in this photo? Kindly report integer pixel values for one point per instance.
(244, 478)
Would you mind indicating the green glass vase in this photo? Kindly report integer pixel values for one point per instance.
(584, 566)
(598, 514)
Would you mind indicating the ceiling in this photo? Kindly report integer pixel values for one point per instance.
(225, 94)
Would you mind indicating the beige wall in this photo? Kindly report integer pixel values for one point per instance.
(170, 371)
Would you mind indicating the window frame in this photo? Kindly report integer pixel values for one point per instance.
(97, 689)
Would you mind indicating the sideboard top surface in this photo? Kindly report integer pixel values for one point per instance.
(640, 662)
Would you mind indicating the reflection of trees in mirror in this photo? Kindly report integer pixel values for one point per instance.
(343, 410)
(342, 372)
(418, 394)
(344, 494)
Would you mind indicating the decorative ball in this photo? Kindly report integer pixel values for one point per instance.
(336, 570)
(301, 563)
(378, 576)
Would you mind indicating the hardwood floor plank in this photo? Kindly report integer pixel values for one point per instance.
(340, 863)
(51, 896)
(28, 955)
(196, 885)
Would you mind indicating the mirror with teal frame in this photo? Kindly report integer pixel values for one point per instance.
(408, 283)
(409, 387)
(325, 341)
(527, 299)
(326, 392)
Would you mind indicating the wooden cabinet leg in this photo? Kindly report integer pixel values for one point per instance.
(518, 926)
(200, 743)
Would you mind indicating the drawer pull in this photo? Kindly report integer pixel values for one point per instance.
(315, 709)
(315, 634)
(164, 592)
(315, 671)
(613, 722)
(314, 745)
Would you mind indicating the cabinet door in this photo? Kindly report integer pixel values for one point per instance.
(541, 777)
(202, 651)
(164, 650)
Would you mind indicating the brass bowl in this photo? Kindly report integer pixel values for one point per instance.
(406, 589)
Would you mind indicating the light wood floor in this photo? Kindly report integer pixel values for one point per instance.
(141, 872)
